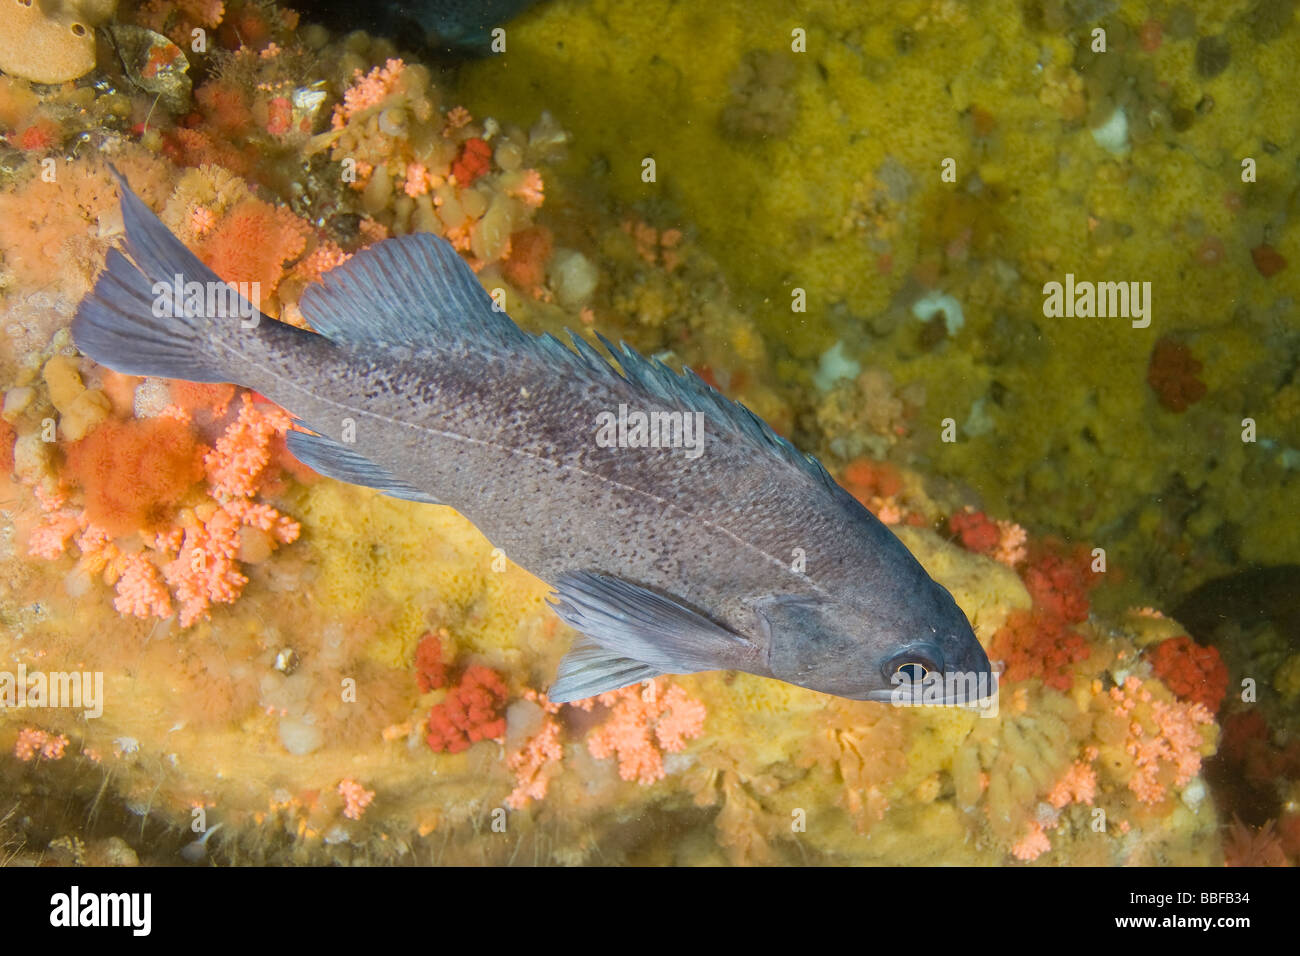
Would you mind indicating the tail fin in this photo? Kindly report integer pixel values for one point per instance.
(133, 322)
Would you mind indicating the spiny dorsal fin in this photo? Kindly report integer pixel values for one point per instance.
(415, 291)
(696, 394)
(407, 291)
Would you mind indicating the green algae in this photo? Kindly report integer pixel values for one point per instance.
(1078, 442)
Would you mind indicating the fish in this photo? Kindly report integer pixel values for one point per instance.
(730, 551)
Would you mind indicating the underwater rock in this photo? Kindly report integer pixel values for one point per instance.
(1247, 598)
(1212, 56)
(452, 28)
(155, 64)
(50, 45)
(763, 102)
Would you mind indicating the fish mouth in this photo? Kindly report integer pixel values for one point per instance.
(976, 689)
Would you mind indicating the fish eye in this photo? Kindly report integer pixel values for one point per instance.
(914, 663)
(912, 670)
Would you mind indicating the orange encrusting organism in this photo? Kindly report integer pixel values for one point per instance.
(134, 473)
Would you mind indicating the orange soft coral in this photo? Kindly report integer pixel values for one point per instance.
(471, 712)
(1041, 642)
(58, 524)
(430, 670)
(1078, 785)
(539, 758)
(654, 246)
(975, 530)
(238, 464)
(33, 741)
(877, 484)
(530, 250)
(1059, 585)
(205, 570)
(193, 556)
(1038, 644)
(1172, 373)
(326, 256)
(530, 189)
(140, 589)
(135, 473)
(1032, 845)
(1003, 541)
(253, 242)
(368, 91)
(474, 160)
(1191, 671)
(355, 798)
(864, 478)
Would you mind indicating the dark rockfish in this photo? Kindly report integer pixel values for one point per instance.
(680, 533)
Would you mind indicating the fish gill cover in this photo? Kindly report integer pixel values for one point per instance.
(1017, 276)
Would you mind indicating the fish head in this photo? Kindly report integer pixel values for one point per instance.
(936, 657)
(918, 650)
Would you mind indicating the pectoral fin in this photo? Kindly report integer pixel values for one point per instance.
(334, 460)
(632, 625)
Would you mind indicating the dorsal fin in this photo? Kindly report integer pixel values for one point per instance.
(414, 291)
(696, 394)
(406, 291)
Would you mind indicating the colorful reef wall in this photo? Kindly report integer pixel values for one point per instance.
(846, 222)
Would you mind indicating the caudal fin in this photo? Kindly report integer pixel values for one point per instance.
(134, 322)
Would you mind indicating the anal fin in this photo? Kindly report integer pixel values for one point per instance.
(588, 669)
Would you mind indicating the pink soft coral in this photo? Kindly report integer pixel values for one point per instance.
(639, 719)
(1163, 739)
